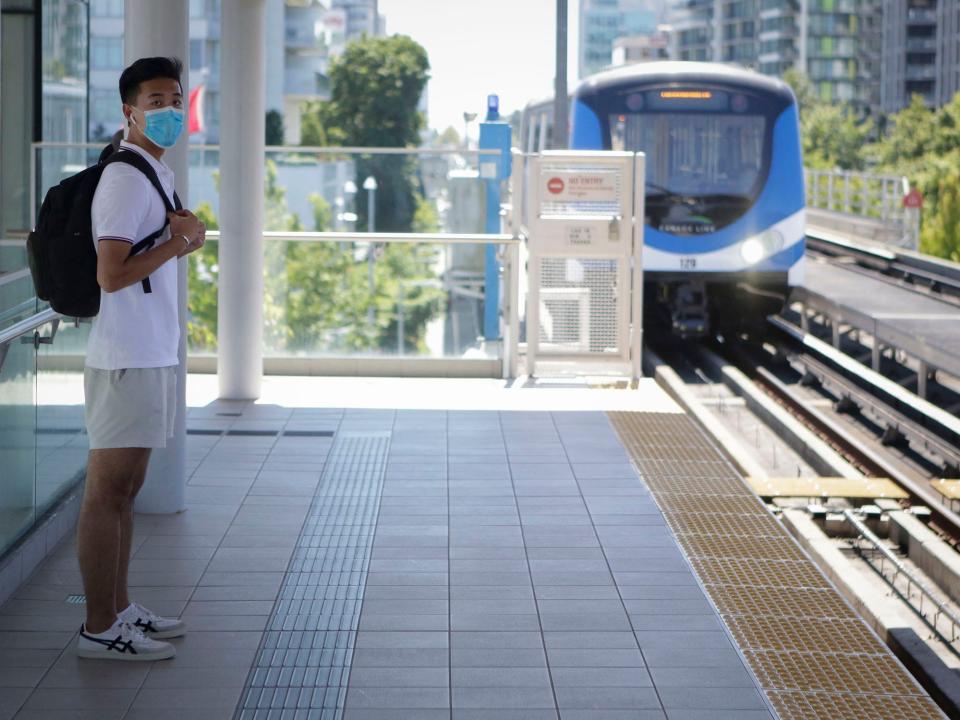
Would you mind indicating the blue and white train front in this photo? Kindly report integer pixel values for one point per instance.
(724, 236)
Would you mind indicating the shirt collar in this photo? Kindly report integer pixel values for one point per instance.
(159, 166)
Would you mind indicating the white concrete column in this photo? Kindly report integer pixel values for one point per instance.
(242, 110)
(152, 29)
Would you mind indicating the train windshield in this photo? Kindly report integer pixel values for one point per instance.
(691, 154)
(707, 153)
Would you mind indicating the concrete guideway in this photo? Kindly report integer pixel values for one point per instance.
(921, 326)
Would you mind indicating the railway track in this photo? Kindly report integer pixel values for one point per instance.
(878, 436)
(871, 420)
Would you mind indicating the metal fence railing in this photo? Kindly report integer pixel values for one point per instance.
(880, 199)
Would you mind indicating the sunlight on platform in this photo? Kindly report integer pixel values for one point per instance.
(573, 394)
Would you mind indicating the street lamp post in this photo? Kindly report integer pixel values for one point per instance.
(370, 185)
(468, 117)
(349, 204)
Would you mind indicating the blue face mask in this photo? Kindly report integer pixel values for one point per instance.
(162, 126)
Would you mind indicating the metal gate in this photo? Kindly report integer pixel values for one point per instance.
(584, 229)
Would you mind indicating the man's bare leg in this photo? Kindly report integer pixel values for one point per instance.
(110, 479)
(126, 535)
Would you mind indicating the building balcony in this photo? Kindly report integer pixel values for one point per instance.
(786, 33)
(921, 44)
(921, 72)
(921, 16)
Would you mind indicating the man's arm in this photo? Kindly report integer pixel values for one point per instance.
(117, 269)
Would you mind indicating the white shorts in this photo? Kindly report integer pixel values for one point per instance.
(133, 408)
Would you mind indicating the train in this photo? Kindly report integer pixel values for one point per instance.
(724, 216)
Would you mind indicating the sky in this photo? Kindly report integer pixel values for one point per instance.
(479, 47)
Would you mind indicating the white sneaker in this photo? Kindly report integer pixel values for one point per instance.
(122, 641)
(151, 624)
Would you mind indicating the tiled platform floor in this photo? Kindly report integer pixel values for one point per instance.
(519, 569)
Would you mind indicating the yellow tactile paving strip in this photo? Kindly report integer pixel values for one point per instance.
(814, 658)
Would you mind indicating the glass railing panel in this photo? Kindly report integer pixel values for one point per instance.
(17, 299)
(416, 191)
(18, 444)
(326, 298)
(363, 299)
(61, 438)
(435, 292)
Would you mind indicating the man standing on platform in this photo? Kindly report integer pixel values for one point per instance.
(130, 377)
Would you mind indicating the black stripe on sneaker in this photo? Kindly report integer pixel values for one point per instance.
(147, 626)
(117, 643)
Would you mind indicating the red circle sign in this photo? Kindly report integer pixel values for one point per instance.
(555, 185)
(913, 199)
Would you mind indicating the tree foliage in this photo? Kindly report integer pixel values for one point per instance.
(375, 92)
(317, 295)
(918, 142)
(924, 145)
(274, 127)
(832, 135)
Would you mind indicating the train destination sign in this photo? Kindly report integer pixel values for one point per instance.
(580, 186)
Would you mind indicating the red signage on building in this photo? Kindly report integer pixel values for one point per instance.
(555, 185)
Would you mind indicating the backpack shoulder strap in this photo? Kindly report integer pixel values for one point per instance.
(136, 160)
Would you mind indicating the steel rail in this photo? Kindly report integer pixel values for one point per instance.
(895, 421)
(880, 384)
(869, 460)
(940, 607)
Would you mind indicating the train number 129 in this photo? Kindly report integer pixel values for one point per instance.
(688, 263)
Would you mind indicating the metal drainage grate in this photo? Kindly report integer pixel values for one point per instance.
(253, 433)
(303, 664)
(812, 655)
(817, 706)
(228, 414)
(76, 600)
(308, 433)
(198, 431)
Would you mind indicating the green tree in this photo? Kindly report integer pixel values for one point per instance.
(376, 86)
(911, 135)
(832, 136)
(449, 138)
(375, 92)
(202, 277)
(940, 234)
(924, 145)
(274, 128)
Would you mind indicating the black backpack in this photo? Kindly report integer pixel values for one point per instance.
(60, 250)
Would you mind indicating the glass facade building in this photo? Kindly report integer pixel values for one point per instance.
(603, 21)
(873, 54)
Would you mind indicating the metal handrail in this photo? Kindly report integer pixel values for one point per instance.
(23, 327)
(28, 325)
(315, 149)
(9, 277)
(426, 238)
(940, 607)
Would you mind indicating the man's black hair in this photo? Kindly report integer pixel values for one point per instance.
(146, 69)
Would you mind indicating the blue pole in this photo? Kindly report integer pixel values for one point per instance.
(491, 299)
(494, 135)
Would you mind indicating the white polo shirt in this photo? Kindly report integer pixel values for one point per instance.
(134, 329)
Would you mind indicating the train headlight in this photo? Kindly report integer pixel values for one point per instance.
(756, 248)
